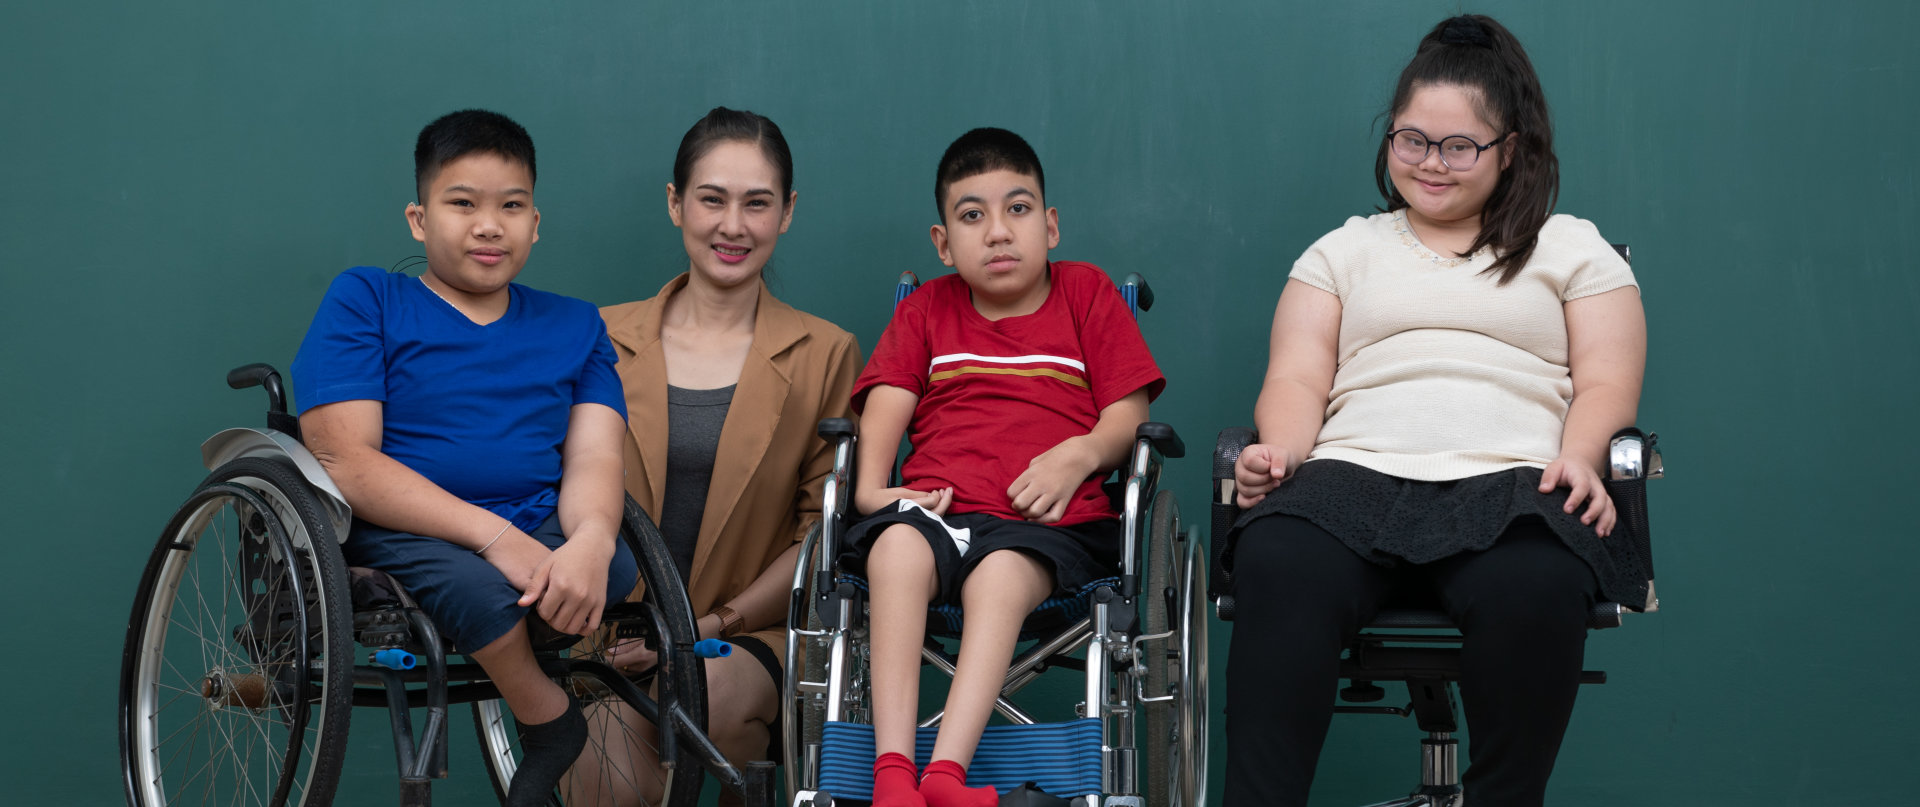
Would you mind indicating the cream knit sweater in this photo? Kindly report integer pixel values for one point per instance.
(1442, 373)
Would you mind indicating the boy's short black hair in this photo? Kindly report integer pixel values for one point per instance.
(458, 134)
(982, 150)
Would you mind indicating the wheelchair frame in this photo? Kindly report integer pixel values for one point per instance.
(826, 636)
(285, 673)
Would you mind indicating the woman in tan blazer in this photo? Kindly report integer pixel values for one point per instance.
(711, 330)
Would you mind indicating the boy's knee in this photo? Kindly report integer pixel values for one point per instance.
(1011, 576)
(900, 543)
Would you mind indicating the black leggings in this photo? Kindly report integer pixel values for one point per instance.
(1302, 594)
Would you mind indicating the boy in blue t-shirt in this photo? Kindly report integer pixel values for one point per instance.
(474, 425)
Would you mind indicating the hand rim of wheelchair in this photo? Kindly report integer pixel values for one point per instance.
(268, 492)
(1177, 718)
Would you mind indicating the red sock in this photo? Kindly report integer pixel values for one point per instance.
(894, 784)
(945, 785)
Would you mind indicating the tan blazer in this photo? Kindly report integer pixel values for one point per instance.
(771, 465)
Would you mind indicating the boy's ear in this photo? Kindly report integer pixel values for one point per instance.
(536, 228)
(1053, 227)
(786, 218)
(673, 204)
(417, 221)
(939, 234)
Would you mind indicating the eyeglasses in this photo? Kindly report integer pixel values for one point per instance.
(1457, 152)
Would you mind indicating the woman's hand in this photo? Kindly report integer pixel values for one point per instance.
(1584, 483)
(570, 588)
(873, 501)
(1260, 468)
(631, 656)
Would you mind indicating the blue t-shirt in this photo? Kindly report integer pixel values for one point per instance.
(480, 410)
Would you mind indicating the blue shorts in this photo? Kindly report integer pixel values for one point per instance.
(468, 600)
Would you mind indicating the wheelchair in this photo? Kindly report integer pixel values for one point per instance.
(1140, 637)
(1416, 642)
(239, 671)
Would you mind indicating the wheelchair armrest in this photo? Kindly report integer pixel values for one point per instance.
(835, 429)
(1163, 439)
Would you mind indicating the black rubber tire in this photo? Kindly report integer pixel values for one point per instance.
(684, 674)
(205, 620)
(1159, 590)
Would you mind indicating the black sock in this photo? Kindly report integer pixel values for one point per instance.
(547, 750)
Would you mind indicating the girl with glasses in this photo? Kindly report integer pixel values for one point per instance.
(1443, 380)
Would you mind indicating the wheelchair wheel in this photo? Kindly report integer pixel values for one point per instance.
(235, 685)
(1176, 746)
(618, 766)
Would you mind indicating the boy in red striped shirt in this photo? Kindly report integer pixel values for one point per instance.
(1020, 383)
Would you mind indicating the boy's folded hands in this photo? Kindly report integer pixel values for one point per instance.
(566, 586)
(569, 588)
(873, 501)
(1042, 492)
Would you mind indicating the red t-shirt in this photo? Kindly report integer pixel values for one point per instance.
(996, 394)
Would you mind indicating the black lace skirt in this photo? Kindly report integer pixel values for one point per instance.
(1389, 520)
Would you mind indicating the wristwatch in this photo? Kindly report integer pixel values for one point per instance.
(730, 621)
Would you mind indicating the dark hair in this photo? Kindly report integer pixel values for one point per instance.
(458, 134)
(724, 125)
(1475, 52)
(980, 151)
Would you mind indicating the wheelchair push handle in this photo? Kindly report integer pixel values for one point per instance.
(260, 374)
(1137, 293)
(712, 648)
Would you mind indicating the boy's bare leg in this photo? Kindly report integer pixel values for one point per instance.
(999, 593)
(901, 582)
(1001, 590)
(552, 729)
(508, 660)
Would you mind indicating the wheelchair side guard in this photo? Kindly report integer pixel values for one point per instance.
(235, 443)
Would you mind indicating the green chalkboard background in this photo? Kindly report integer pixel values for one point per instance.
(178, 183)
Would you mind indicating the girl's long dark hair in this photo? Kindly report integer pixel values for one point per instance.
(1475, 52)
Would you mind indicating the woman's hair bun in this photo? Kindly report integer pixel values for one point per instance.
(1465, 30)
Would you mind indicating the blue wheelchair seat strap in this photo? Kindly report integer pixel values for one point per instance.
(1062, 758)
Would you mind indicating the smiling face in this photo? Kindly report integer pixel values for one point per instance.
(730, 214)
(1440, 198)
(997, 234)
(478, 223)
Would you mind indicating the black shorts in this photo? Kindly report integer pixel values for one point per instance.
(1078, 556)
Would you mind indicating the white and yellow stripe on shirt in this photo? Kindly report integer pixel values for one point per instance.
(971, 363)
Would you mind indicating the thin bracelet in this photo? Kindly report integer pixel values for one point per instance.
(496, 539)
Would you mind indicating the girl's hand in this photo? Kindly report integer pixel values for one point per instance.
(1585, 485)
(1042, 492)
(570, 588)
(873, 501)
(1260, 468)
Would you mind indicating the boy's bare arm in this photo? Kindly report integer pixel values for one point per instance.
(1042, 492)
(346, 438)
(882, 423)
(571, 587)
